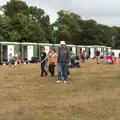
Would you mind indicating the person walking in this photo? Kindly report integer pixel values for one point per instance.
(43, 56)
(19, 59)
(97, 53)
(63, 62)
(52, 61)
(83, 56)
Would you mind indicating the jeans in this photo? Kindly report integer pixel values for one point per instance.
(52, 69)
(43, 69)
(67, 72)
(62, 68)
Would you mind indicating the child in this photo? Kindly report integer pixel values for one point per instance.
(43, 56)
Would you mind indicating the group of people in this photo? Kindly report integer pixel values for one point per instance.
(62, 58)
(111, 59)
(15, 59)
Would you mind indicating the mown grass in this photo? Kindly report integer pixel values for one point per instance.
(93, 93)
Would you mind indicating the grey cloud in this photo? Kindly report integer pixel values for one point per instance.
(103, 11)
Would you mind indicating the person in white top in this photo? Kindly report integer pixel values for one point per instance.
(16, 59)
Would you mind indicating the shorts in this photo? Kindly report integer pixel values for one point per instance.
(97, 57)
(46, 64)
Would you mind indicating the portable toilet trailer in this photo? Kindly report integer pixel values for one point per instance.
(80, 48)
(72, 48)
(47, 47)
(90, 51)
(28, 51)
(103, 49)
(108, 49)
(7, 48)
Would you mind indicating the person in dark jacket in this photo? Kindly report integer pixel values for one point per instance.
(97, 54)
(63, 62)
(42, 56)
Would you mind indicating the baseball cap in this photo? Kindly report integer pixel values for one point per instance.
(62, 43)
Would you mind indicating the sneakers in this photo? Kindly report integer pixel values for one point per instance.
(59, 81)
(65, 82)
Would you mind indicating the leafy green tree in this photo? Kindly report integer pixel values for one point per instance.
(28, 24)
(23, 23)
(15, 6)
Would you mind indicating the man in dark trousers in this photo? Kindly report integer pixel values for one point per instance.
(97, 53)
(42, 56)
(63, 62)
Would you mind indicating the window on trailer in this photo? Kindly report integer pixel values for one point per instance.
(25, 53)
(5, 56)
(80, 50)
(71, 49)
(89, 52)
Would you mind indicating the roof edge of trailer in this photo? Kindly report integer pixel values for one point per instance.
(80, 46)
(67, 45)
(45, 44)
(9, 42)
(71, 45)
(26, 43)
(89, 46)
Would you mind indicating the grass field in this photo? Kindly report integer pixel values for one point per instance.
(93, 93)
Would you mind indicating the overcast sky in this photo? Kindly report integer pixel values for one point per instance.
(103, 11)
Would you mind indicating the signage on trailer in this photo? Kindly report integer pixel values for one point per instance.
(30, 52)
(74, 50)
(47, 49)
(10, 50)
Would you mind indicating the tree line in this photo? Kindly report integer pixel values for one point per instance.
(22, 23)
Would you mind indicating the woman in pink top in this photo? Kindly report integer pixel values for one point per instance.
(110, 60)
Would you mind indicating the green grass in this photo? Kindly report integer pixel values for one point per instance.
(93, 93)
